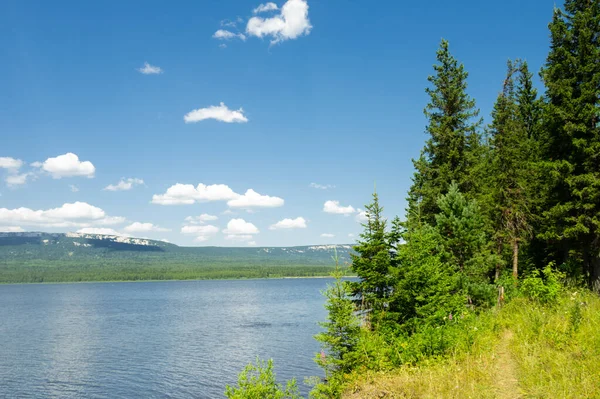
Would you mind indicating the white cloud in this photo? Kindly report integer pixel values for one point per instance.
(223, 34)
(252, 199)
(11, 229)
(203, 233)
(36, 164)
(73, 188)
(361, 216)
(218, 112)
(68, 165)
(138, 227)
(327, 235)
(265, 7)
(204, 230)
(11, 164)
(351, 235)
(187, 194)
(77, 214)
(124, 184)
(291, 23)
(321, 186)
(148, 69)
(298, 223)
(101, 230)
(17, 180)
(205, 217)
(240, 227)
(236, 237)
(334, 207)
(251, 243)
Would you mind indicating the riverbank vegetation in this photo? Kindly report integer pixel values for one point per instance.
(488, 286)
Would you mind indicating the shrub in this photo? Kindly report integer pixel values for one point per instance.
(544, 286)
(258, 382)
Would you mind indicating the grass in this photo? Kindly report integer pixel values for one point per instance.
(524, 350)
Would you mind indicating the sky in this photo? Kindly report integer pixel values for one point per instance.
(232, 122)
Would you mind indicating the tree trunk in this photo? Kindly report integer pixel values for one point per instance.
(515, 259)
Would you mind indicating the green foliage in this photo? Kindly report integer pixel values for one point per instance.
(372, 262)
(571, 217)
(544, 286)
(451, 150)
(427, 288)
(258, 382)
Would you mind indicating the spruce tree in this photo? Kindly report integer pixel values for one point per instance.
(572, 148)
(451, 150)
(514, 119)
(372, 262)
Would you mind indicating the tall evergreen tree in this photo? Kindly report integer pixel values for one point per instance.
(372, 261)
(572, 149)
(514, 119)
(453, 141)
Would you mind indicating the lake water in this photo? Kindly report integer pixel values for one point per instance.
(154, 340)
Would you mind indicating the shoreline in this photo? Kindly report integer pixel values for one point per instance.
(171, 280)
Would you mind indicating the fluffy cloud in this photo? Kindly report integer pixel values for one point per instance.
(265, 7)
(223, 34)
(148, 69)
(18, 179)
(67, 165)
(11, 164)
(187, 194)
(205, 217)
(321, 186)
(252, 199)
(77, 214)
(11, 229)
(73, 188)
(124, 184)
(327, 235)
(101, 230)
(290, 23)
(361, 216)
(204, 230)
(218, 112)
(203, 233)
(240, 227)
(298, 223)
(335, 207)
(138, 227)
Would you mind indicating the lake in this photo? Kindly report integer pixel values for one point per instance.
(174, 339)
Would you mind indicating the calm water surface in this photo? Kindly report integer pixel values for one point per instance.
(153, 340)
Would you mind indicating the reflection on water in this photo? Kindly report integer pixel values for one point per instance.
(153, 340)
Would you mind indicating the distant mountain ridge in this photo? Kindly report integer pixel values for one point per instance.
(72, 246)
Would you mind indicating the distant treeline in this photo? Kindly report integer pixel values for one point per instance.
(60, 271)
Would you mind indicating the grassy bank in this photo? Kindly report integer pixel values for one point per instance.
(523, 350)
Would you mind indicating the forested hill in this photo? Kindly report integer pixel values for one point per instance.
(41, 257)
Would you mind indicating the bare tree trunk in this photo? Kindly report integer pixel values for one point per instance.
(515, 259)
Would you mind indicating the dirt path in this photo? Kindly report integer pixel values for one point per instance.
(507, 383)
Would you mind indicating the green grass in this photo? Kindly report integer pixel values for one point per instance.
(524, 350)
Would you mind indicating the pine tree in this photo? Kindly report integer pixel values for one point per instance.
(341, 330)
(572, 148)
(451, 150)
(372, 262)
(514, 119)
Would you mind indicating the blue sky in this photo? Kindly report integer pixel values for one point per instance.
(326, 92)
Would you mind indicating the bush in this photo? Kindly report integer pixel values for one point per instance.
(544, 286)
(258, 382)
